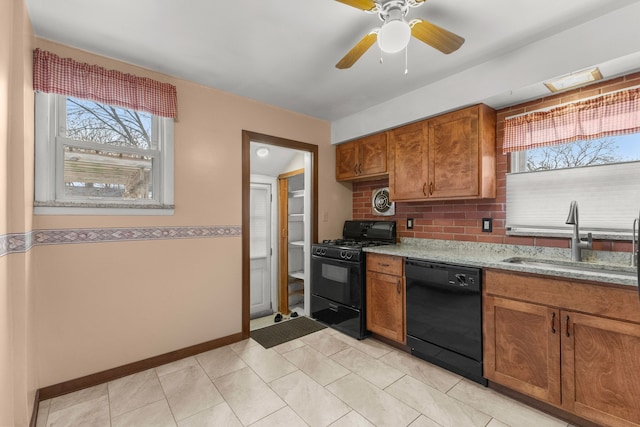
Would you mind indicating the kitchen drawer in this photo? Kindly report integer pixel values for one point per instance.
(387, 264)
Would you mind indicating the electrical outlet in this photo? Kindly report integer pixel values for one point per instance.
(487, 225)
(409, 223)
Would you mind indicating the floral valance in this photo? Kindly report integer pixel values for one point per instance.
(64, 76)
(607, 115)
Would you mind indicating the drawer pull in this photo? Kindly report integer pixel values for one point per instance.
(384, 265)
(553, 322)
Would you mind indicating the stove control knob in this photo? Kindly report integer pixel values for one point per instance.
(323, 251)
(343, 254)
(349, 255)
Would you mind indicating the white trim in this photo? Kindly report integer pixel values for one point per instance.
(45, 126)
(546, 109)
(66, 210)
(165, 145)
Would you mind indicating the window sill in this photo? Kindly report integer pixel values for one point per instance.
(41, 208)
(567, 234)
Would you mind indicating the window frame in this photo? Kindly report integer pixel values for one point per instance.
(49, 199)
(518, 167)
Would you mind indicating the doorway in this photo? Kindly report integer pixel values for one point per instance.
(311, 165)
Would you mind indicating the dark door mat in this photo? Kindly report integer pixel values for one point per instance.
(286, 331)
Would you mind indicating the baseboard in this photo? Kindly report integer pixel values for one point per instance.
(544, 407)
(131, 368)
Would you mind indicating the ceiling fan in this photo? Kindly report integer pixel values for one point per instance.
(395, 32)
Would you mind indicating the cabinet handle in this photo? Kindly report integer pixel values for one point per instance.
(566, 325)
(355, 169)
(383, 265)
(399, 286)
(424, 188)
(553, 322)
(359, 168)
(431, 188)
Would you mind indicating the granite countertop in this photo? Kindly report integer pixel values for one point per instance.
(486, 255)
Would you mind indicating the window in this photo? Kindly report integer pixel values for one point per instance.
(96, 156)
(586, 151)
(602, 175)
(608, 150)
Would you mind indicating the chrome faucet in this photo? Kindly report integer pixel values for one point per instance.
(576, 244)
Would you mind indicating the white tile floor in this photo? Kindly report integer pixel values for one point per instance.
(322, 379)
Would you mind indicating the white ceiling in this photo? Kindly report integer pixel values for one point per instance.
(279, 160)
(283, 52)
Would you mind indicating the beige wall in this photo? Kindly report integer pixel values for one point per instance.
(102, 305)
(17, 356)
(76, 309)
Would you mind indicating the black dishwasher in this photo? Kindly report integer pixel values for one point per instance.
(444, 316)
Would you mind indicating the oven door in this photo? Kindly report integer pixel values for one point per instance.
(337, 280)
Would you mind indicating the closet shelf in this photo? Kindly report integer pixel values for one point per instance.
(297, 274)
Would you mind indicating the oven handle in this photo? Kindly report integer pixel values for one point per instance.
(334, 261)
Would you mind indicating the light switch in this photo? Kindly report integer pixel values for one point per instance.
(409, 223)
(487, 225)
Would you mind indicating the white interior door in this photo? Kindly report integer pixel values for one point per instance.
(260, 250)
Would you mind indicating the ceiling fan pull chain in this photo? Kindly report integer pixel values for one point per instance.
(406, 60)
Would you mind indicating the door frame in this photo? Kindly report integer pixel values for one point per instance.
(247, 138)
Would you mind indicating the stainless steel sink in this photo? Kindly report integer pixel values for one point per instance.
(576, 267)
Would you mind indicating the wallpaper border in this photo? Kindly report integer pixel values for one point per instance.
(22, 242)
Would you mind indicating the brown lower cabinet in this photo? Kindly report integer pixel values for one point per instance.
(573, 345)
(385, 291)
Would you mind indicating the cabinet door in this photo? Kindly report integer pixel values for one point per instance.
(454, 155)
(601, 369)
(385, 306)
(373, 155)
(347, 160)
(522, 347)
(408, 171)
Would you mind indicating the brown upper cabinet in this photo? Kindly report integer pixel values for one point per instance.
(362, 158)
(451, 156)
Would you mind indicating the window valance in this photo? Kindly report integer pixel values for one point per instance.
(64, 76)
(606, 115)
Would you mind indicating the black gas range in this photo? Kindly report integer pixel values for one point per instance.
(338, 275)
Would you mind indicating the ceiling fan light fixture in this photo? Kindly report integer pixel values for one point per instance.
(394, 35)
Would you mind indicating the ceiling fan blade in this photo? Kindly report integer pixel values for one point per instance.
(436, 37)
(357, 51)
(360, 4)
